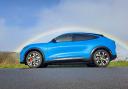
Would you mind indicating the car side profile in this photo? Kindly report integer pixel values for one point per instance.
(90, 48)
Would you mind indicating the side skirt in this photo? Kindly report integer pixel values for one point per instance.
(67, 61)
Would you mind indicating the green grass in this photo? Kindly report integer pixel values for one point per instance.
(118, 64)
(112, 64)
(13, 66)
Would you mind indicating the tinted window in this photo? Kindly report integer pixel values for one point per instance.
(63, 38)
(80, 37)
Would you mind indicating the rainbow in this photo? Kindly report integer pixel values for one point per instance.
(55, 32)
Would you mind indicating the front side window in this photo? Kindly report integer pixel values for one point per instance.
(64, 38)
(81, 37)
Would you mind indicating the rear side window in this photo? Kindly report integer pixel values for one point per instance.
(64, 38)
(81, 37)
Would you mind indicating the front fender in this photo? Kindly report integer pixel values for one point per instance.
(25, 50)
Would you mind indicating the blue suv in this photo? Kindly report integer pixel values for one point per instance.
(93, 49)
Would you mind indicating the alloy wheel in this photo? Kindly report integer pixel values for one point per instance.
(34, 59)
(101, 58)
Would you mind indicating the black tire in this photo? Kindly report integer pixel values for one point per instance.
(101, 58)
(90, 64)
(44, 65)
(34, 59)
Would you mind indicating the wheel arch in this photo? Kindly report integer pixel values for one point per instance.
(102, 47)
(33, 49)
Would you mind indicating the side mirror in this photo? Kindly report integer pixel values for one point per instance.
(54, 41)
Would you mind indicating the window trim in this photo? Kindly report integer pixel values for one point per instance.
(64, 35)
(73, 35)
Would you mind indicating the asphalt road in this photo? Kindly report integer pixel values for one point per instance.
(64, 78)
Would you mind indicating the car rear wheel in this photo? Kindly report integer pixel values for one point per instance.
(34, 59)
(101, 58)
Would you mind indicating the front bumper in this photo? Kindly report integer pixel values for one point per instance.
(113, 57)
(22, 62)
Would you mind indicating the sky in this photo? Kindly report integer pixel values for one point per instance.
(21, 20)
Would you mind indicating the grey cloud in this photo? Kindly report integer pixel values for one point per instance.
(109, 16)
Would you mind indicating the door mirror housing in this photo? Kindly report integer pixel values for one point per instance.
(54, 41)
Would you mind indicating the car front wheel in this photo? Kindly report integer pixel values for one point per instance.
(34, 59)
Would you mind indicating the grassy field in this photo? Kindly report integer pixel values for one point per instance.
(10, 60)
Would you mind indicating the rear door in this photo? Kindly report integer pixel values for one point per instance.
(81, 43)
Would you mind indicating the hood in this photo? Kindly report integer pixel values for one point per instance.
(36, 45)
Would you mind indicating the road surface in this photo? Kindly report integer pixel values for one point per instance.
(64, 78)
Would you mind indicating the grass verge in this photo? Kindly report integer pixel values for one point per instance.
(112, 64)
(13, 66)
(118, 64)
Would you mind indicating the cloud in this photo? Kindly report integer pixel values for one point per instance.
(109, 16)
(12, 37)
